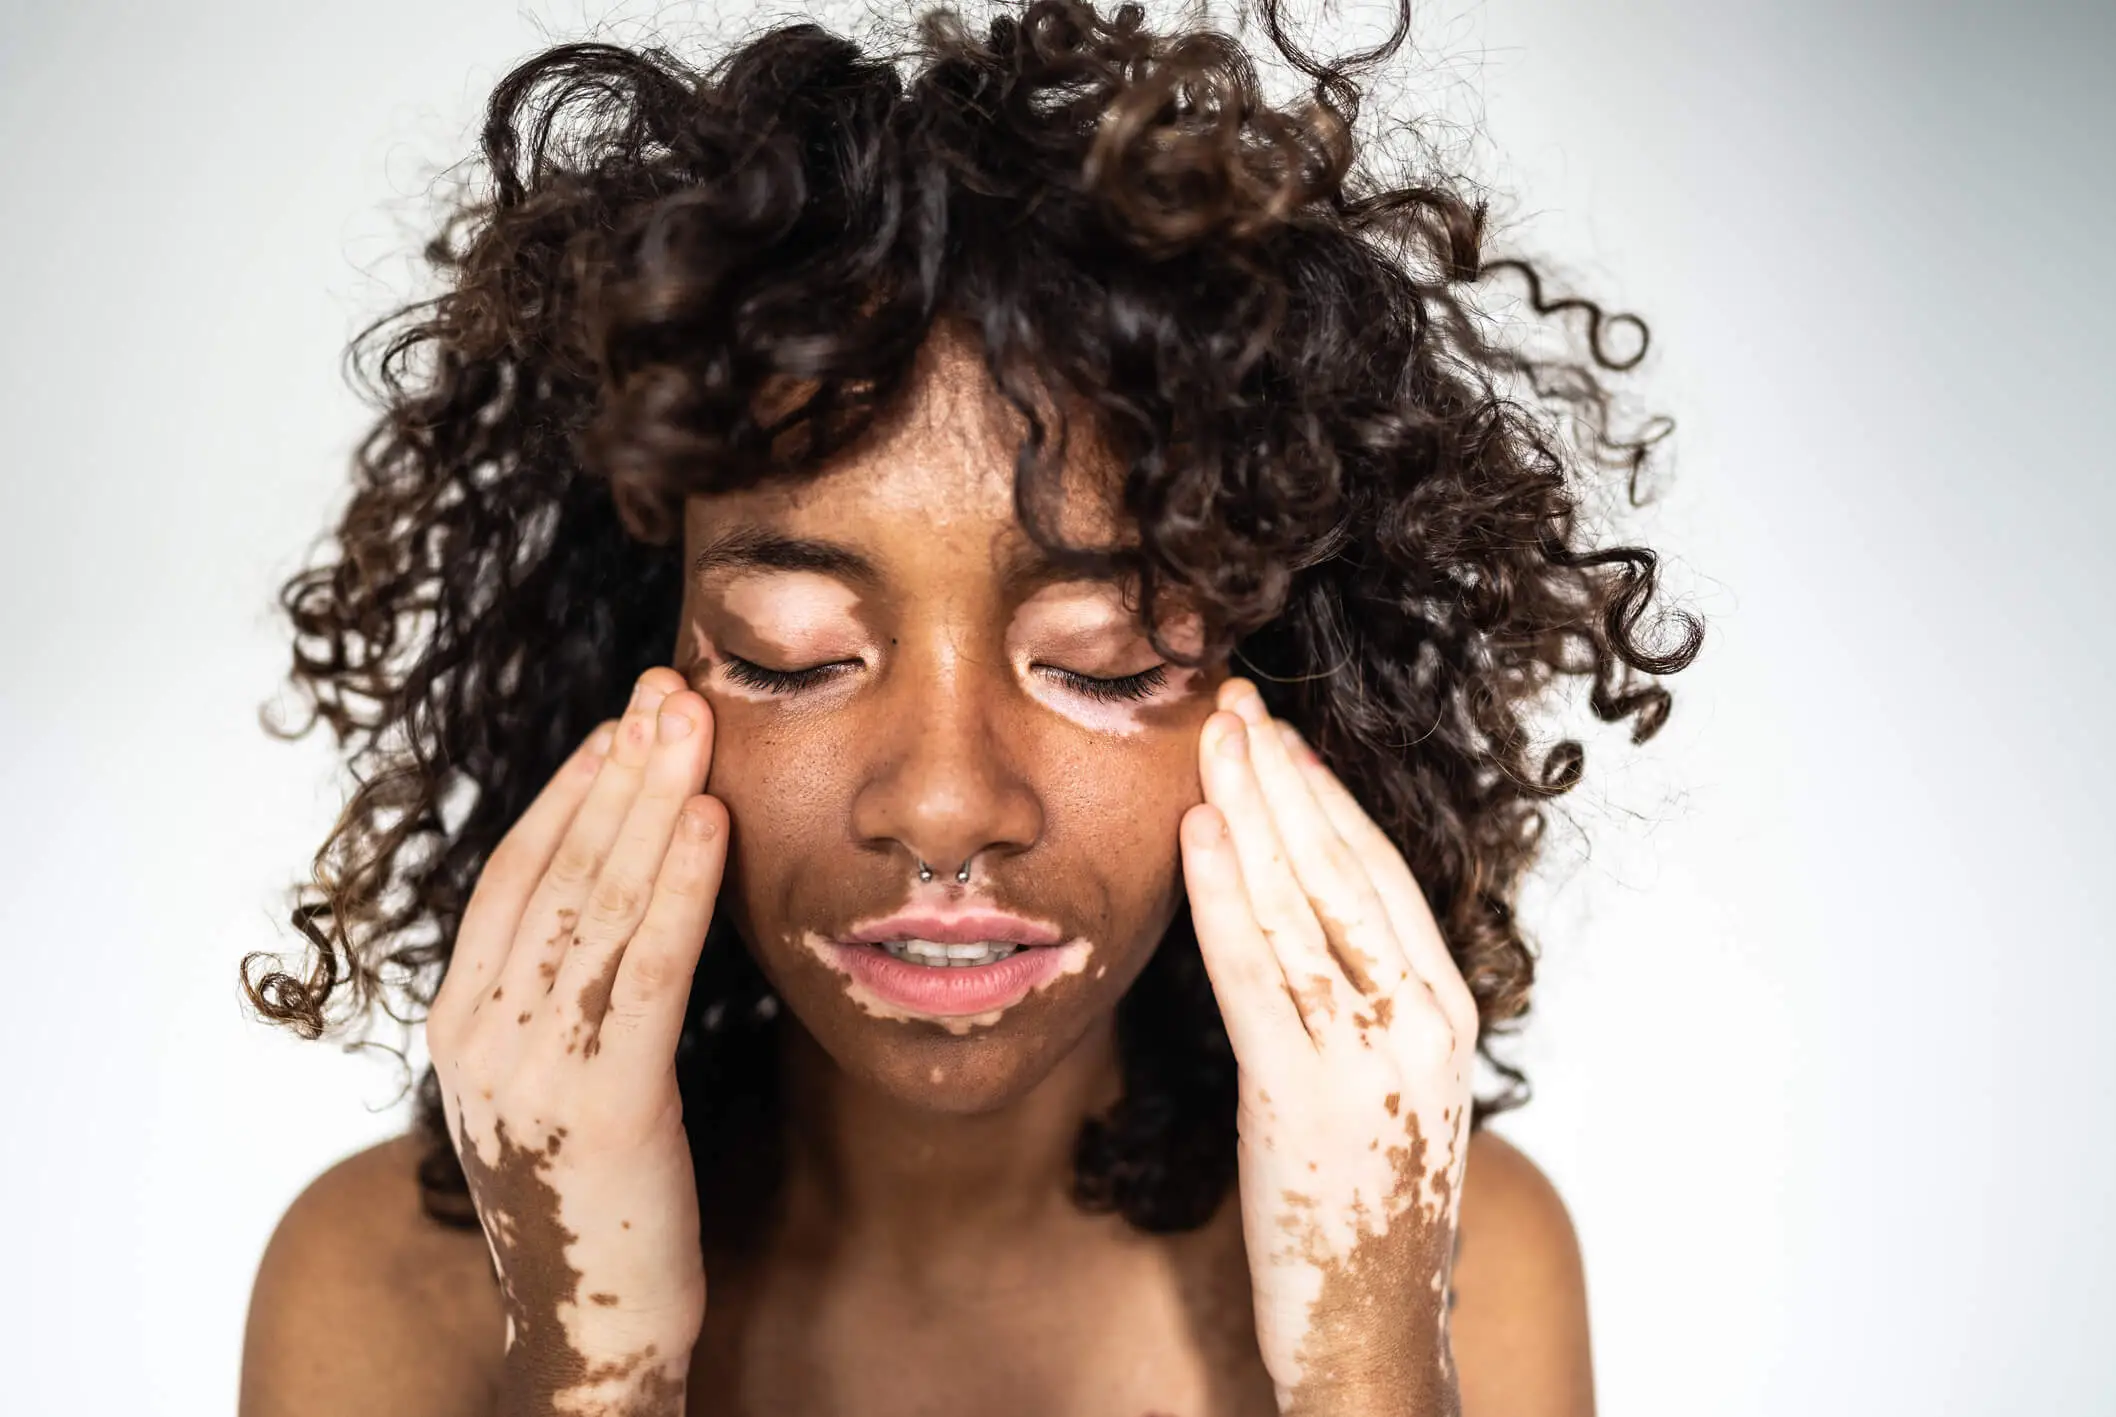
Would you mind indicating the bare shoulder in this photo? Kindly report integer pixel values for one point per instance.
(363, 1304)
(1520, 1320)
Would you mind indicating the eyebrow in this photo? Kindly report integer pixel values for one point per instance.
(754, 548)
(1024, 567)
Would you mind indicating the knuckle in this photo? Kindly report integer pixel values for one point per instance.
(651, 974)
(463, 1075)
(573, 865)
(1436, 1043)
(623, 1016)
(684, 879)
(1469, 1019)
(502, 865)
(1337, 860)
(617, 898)
(441, 1035)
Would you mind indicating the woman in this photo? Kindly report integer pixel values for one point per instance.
(957, 767)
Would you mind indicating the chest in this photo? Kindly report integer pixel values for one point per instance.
(1142, 1327)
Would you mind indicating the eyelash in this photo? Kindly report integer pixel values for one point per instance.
(1129, 688)
(777, 681)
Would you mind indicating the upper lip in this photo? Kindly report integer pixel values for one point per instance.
(955, 928)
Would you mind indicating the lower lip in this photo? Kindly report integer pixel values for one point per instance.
(944, 990)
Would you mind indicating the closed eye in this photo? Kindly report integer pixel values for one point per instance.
(782, 681)
(1122, 689)
(1128, 688)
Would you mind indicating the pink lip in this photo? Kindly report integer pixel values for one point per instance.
(943, 991)
(955, 928)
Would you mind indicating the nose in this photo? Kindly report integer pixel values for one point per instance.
(944, 785)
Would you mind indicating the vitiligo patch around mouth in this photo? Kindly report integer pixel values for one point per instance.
(1060, 962)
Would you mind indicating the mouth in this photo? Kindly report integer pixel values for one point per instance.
(940, 937)
(946, 979)
(943, 963)
(939, 954)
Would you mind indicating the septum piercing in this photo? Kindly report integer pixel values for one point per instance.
(925, 872)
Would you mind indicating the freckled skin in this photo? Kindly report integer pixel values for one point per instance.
(933, 1157)
(926, 1183)
(949, 738)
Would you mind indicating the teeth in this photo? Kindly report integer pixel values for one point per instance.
(929, 952)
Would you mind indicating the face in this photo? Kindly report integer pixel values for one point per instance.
(896, 678)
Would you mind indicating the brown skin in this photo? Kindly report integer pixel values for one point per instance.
(927, 1179)
(944, 745)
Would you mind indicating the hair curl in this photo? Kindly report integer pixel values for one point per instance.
(1317, 435)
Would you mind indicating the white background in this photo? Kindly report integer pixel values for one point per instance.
(1820, 1047)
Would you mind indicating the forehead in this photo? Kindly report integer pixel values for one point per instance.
(935, 479)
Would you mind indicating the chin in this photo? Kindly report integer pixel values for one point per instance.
(937, 1065)
(944, 1074)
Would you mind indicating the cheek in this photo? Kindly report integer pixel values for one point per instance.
(776, 804)
(1126, 817)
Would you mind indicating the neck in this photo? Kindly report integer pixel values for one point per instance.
(868, 1171)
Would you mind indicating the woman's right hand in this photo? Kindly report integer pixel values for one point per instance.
(554, 1037)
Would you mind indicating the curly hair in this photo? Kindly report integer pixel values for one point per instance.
(685, 281)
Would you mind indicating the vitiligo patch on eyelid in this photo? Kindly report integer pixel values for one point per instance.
(799, 618)
(1086, 619)
(794, 616)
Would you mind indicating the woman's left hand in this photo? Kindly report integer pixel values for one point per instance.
(1355, 1034)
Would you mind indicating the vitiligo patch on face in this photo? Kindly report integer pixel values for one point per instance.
(791, 611)
(802, 618)
(1086, 618)
(1070, 959)
(797, 617)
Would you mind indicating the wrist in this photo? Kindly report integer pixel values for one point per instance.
(640, 1375)
(1375, 1384)
(1414, 1401)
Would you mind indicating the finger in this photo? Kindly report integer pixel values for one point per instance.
(1417, 931)
(653, 984)
(1275, 897)
(618, 902)
(511, 871)
(554, 908)
(1356, 925)
(1263, 1022)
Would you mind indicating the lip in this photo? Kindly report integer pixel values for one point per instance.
(947, 992)
(966, 927)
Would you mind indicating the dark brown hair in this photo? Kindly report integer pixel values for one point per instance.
(1320, 439)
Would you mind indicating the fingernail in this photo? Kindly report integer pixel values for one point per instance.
(599, 743)
(674, 726)
(1234, 741)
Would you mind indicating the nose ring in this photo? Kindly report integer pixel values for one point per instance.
(925, 872)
